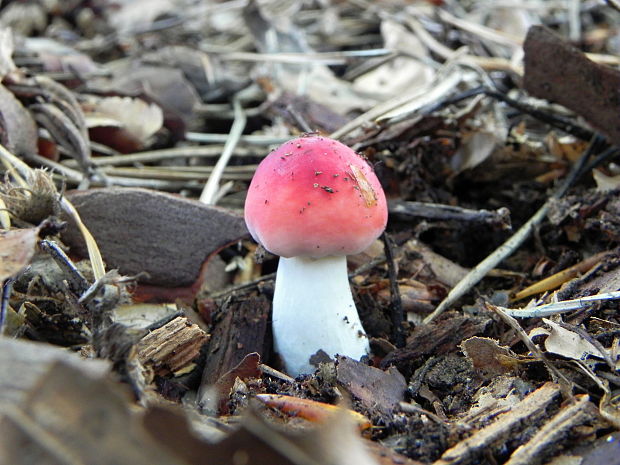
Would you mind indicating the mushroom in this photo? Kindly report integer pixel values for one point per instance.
(313, 201)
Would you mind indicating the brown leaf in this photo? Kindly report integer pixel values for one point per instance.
(559, 72)
(19, 133)
(64, 131)
(378, 391)
(488, 356)
(247, 368)
(17, 247)
(139, 230)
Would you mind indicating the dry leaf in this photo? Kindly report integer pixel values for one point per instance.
(139, 230)
(17, 247)
(487, 355)
(605, 183)
(138, 118)
(6, 52)
(377, 390)
(402, 73)
(19, 132)
(568, 343)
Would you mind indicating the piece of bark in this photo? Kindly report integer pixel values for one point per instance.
(171, 348)
(378, 391)
(242, 329)
(72, 417)
(437, 338)
(530, 411)
(16, 354)
(561, 429)
(559, 72)
(140, 230)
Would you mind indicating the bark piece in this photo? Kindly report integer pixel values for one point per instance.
(561, 428)
(241, 330)
(559, 72)
(437, 338)
(139, 230)
(378, 390)
(527, 412)
(171, 348)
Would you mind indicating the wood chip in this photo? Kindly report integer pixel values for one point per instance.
(171, 348)
(560, 429)
(528, 412)
(241, 330)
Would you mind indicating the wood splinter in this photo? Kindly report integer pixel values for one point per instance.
(172, 348)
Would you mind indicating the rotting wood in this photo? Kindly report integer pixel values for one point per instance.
(437, 338)
(530, 410)
(173, 347)
(559, 429)
(242, 329)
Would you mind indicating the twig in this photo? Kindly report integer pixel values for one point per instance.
(563, 306)
(507, 248)
(514, 324)
(397, 315)
(554, 120)
(214, 138)
(437, 211)
(327, 58)
(210, 191)
(151, 156)
(78, 282)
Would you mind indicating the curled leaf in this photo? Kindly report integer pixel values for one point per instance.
(310, 410)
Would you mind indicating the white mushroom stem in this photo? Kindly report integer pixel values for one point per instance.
(313, 310)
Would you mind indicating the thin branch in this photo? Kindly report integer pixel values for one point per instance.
(210, 192)
(508, 248)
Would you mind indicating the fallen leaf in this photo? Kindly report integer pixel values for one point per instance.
(488, 356)
(135, 116)
(568, 343)
(247, 368)
(311, 410)
(378, 390)
(17, 247)
(19, 132)
(139, 230)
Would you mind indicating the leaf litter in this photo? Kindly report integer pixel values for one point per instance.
(135, 309)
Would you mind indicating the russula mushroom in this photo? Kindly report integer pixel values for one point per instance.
(313, 201)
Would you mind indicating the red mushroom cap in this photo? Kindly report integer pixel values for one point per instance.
(314, 197)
